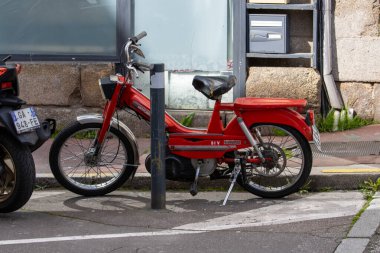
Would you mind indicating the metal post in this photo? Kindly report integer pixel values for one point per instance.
(240, 46)
(157, 105)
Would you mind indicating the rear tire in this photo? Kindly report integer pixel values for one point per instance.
(83, 176)
(291, 169)
(18, 174)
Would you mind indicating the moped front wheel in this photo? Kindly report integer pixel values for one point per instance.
(78, 169)
(287, 166)
(17, 174)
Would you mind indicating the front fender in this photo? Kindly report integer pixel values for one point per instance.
(281, 116)
(97, 118)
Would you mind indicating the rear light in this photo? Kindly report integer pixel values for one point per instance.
(2, 71)
(310, 118)
(6, 86)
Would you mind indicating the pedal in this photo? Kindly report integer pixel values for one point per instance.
(194, 185)
(234, 176)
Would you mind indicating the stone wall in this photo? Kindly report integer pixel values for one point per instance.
(356, 64)
(362, 97)
(357, 42)
(290, 82)
(60, 84)
(61, 90)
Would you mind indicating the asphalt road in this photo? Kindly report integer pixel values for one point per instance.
(59, 221)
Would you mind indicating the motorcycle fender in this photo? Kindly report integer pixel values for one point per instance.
(6, 124)
(279, 117)
(97, 118)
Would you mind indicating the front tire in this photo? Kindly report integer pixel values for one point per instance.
(17, 174)
(76, 170)
(288, 167)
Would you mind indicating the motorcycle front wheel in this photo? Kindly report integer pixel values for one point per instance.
(78, 170)
(17, 174)
(288, 162)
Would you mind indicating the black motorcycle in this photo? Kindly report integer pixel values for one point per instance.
(21, 132)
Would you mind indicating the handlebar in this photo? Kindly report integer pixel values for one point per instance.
(138, 37)
(7, 58)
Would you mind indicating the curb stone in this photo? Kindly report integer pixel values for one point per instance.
(361, 233)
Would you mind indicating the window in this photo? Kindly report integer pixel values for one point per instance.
(61, 29)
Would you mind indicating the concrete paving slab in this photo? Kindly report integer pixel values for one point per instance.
(366, 226)
(352, 245)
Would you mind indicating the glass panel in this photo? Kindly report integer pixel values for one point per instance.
(58, 27)
(186, 35)
(191, 37)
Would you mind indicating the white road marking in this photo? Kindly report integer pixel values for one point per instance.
(305, 209)
(91, 237)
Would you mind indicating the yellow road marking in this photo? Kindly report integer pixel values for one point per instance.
(351, 170)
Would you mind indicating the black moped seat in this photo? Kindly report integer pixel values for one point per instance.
(213, 87)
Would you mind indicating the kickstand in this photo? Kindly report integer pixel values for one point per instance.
(194, 185)
(234, 176)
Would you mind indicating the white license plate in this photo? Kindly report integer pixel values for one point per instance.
(25, 120)
(317, 138)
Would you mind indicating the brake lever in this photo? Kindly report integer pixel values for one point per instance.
(139, 69)
(137, 50)
(132, 68)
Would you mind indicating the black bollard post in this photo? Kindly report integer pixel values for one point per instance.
(158, 139)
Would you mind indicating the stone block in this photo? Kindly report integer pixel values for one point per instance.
(360, 97)
(376, 92)
(357, 60)
(354, 18)
(301, 83)
(65, 115)
(50, 84)
(89, 89)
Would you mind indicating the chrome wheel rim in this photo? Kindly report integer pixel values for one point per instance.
(102, 171)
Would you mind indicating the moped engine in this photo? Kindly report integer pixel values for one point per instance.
(177, 168)
(180, 168)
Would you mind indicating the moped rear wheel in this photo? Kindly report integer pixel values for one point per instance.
(288, 162)
(76, 168)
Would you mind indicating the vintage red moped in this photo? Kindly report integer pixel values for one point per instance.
(264, 147)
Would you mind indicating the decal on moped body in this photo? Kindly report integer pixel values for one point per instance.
(232, 142)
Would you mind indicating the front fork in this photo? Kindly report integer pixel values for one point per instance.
(108, 112)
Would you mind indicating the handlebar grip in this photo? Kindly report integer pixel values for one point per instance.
(141, 35)
(138, 37)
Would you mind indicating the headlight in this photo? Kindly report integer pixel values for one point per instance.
(107, 87)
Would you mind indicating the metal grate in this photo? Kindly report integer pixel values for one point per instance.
(344, 149)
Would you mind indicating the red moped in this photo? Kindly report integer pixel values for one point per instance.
(265, 146)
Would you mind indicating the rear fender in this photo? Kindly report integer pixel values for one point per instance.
(6, 124)
(281, 116)
(97, 118)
